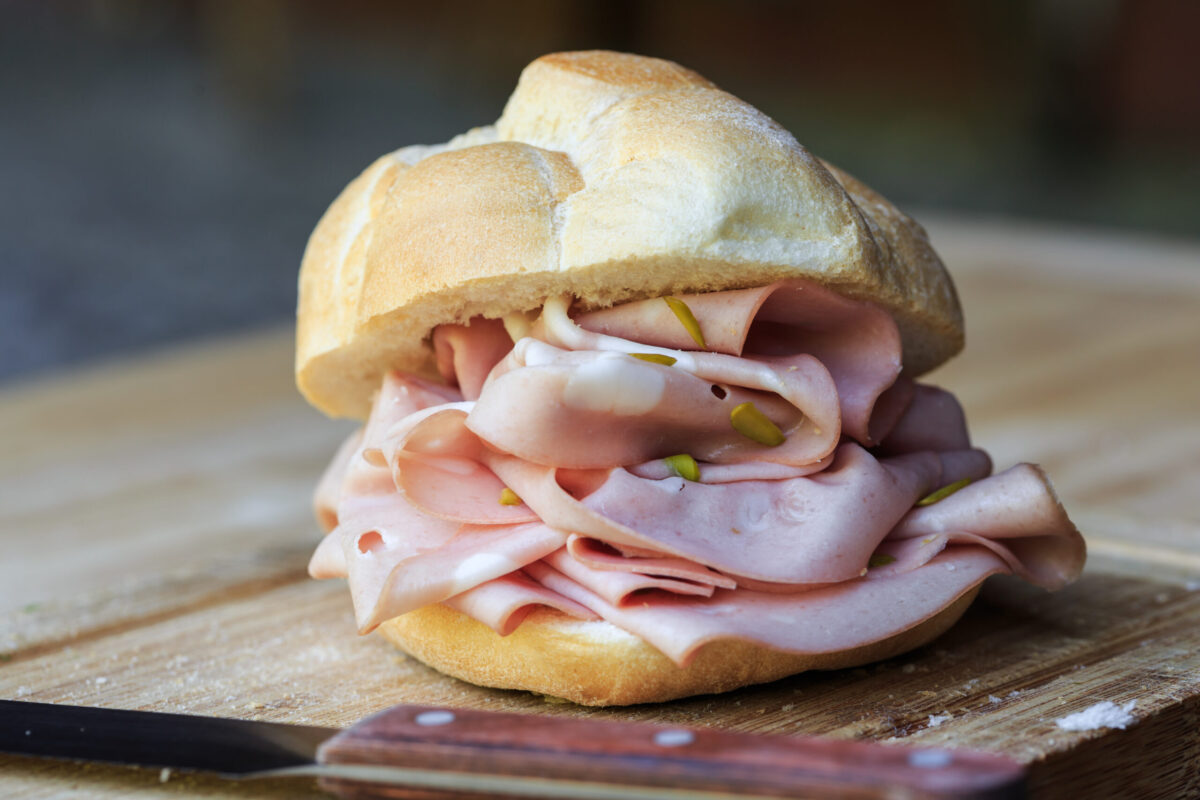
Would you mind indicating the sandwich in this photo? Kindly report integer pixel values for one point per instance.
(642, 413)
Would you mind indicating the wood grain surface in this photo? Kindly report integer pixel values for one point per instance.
(155, 524)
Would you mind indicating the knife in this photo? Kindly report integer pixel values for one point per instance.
(424, 751)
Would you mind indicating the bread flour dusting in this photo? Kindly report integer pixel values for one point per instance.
(1106, 714)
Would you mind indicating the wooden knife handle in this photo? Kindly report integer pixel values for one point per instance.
(426, 752)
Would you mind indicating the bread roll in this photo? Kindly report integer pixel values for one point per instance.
(609, 177)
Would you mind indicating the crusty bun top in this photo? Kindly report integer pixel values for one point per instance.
(608, 177)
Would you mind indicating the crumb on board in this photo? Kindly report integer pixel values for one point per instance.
(1105, 714)
(937, 719)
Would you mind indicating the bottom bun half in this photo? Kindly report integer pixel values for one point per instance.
(595, 663)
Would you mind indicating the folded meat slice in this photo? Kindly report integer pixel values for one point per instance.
(825, 620)
(857, 342)
(1015, 513)
(400, 395)
(329, 488)
(397, 556)
(435, 462)
(815, 529)
(592, 409)
(599, 556)
(731, 473)
(474, 555)
(466, 353)
(931, 420)
(810, 546)
(503, 603)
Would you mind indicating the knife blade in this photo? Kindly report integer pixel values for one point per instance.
(425, 751)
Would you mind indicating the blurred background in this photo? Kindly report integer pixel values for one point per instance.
(163, 161)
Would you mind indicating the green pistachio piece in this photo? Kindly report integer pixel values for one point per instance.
(655, 358)
(684, 466)
(943, 493)
(684, 314)
(880, 560)
(753, 424)
(509, 498)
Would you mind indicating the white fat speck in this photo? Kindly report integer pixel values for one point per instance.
(753, 513)
(615, 384)
(480, 567)
(1105, 714)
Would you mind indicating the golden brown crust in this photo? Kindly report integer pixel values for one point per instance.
(609, 177)
(598, 664)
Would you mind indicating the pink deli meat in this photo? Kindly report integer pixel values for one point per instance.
(814, 545)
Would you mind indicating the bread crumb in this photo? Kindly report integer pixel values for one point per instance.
(936, 720)
(1105, 714)
(993, 699)
(164, 775)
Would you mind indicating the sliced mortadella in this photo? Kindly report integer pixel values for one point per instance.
(724, 318)
(466, 353)
(329, 488)
(934, 420)
(592, 409)
(617, 587)
(435, 462)
(374, 533)
(1015, 513)
(419, 576)
(889, 408)
(328, 560)
(826, 620)
(816, 529)
(362, 487)
(503, 603)
(857, 342)
(731, 473)
(599, 556)
(400, 396)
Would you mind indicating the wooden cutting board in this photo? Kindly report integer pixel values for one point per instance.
(155, 528)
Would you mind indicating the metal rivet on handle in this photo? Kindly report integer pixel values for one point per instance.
(930, 759)
(431, 718)
(674, 738)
